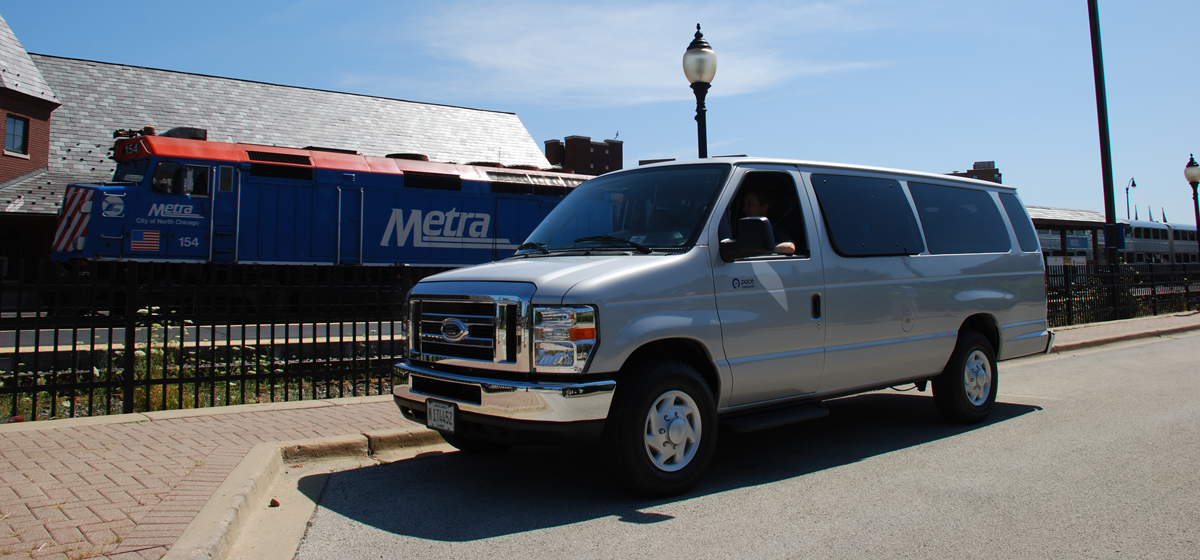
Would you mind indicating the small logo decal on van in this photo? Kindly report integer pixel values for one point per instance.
(743, 283)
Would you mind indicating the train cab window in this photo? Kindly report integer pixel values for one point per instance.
(131, 171)
(168, 178)
(195, 182)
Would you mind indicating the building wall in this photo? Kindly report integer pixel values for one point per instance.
(38, 114)
(581, 155)
(983, 171)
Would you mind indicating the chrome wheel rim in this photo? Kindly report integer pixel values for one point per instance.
(977, 378)
(673, 430)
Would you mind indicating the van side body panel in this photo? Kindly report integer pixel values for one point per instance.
(896, 318)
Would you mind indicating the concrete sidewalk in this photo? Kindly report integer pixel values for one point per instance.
(126, 486)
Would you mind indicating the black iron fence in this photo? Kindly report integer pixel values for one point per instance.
(1094, 293)
(132, 337)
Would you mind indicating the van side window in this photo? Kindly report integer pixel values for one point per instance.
(196, 180)
(867, 216)
(771, 195)
(168, 178)
(1026, 237)
(958, 221)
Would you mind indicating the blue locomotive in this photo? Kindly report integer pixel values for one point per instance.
(180, 198)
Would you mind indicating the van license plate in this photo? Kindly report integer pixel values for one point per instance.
(439, 416)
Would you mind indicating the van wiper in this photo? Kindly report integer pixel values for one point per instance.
(641, 248)
(541, 247)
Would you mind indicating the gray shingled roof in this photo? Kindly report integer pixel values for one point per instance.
(1065, 214)
(98, 98)
(17, 72)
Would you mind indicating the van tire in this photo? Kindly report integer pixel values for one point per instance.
(472, 445)
(966, 390)
(666, 387)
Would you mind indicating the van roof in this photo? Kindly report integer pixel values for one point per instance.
(738, 160)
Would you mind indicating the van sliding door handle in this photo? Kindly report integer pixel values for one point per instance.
(816, 306)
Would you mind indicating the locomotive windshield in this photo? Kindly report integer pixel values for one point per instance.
(646, 210)
(131, 171)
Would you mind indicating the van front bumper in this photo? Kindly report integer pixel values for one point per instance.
(517, 410)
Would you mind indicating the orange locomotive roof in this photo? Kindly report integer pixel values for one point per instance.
(144, 146)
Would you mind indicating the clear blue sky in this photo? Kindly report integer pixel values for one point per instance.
(931, 85)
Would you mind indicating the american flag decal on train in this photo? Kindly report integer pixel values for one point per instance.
(72, 219)
(143, 240)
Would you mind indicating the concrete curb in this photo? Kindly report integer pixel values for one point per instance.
(214, 530)
(1062, 349)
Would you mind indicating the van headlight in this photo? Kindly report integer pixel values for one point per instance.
(563, 338)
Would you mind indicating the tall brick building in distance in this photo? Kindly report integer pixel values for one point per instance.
(982, 170)
(581, 155)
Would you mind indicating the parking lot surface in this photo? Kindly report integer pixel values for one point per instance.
(1090, 454)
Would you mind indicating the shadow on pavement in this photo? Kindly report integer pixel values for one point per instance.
(460, 497)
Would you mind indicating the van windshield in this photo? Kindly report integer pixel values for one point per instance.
(658, 209)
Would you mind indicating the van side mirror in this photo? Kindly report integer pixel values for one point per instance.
(755, 239)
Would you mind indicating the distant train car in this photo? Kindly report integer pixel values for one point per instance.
(1145, 242)
(180, 198)
(1154, 242)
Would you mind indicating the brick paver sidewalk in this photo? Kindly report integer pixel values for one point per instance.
(128, 490)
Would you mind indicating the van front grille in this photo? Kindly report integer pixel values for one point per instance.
(479, 318)
(484, 334)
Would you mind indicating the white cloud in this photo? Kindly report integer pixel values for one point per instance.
(597, 54)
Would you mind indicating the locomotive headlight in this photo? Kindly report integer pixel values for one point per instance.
(563, 338)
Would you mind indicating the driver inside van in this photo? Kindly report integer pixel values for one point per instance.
(756, 203)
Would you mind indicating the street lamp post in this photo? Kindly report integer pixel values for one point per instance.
(700, 65)
(1191, 172)
(1133, 184)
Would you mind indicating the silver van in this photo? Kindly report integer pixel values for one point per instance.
(659, 303)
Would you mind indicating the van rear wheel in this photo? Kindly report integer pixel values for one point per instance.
(966, 390)
(661, 430)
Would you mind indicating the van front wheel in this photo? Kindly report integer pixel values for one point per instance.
(966, 390)
(661, 429)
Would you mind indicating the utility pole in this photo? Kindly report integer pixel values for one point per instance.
(1111, 228)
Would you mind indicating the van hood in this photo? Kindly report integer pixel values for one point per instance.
(553, 276)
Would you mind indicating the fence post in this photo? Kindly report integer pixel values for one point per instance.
(1067, 281)
(1154, 288)
(1111, 276)
(130, 338)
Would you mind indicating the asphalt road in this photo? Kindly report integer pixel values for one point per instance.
(1090, 455)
